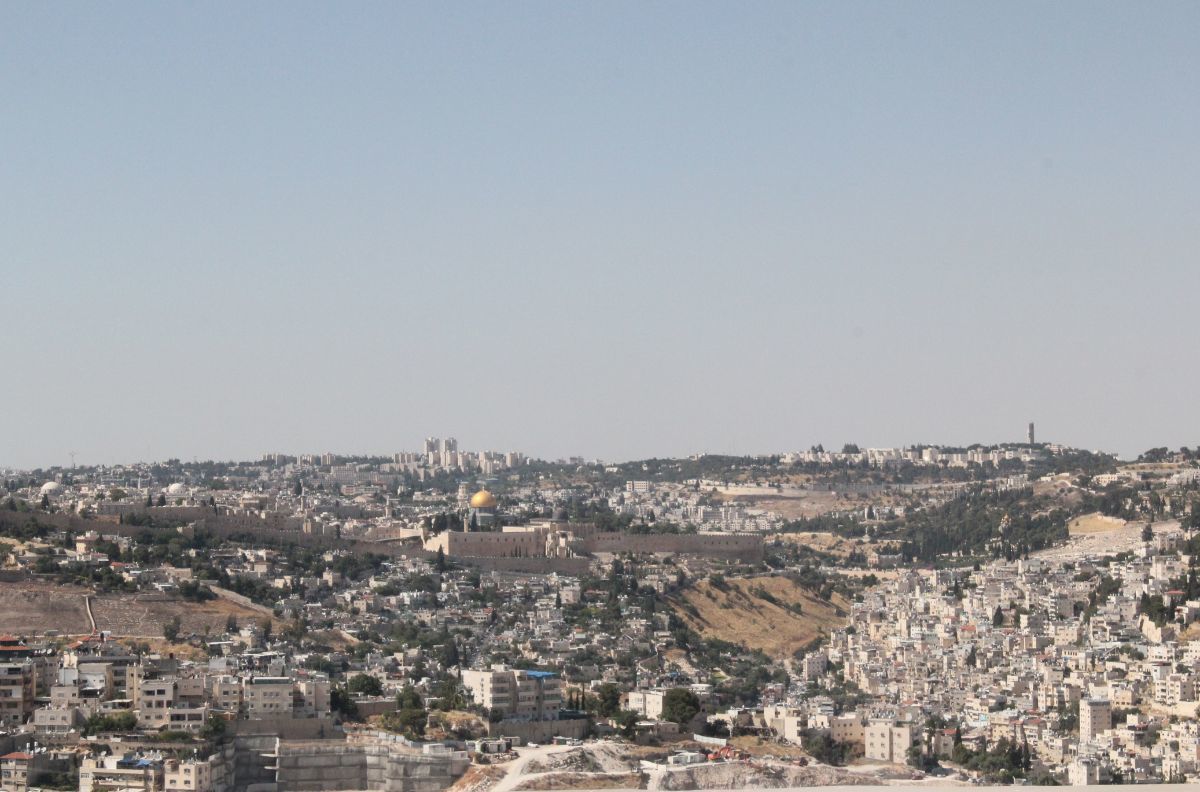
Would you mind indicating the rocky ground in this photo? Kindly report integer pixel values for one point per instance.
(552, 781)
(617, 765)
(757, 775)
(578, 760)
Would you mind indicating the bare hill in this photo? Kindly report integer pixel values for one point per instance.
(33, 607)
(1094, 522)
(774, 614)
(143, 615)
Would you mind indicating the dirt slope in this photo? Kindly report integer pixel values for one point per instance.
(738, 612)
(32, 607)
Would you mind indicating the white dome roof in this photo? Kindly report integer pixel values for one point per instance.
(176, 489)
(50, 486)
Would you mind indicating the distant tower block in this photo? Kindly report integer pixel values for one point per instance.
(1031, 433)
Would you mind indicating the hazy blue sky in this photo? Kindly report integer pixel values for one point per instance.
(606, 229)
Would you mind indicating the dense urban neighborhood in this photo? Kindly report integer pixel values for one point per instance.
(486, 621)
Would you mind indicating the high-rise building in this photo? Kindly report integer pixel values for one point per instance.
(1095, 717)
(1031, 433)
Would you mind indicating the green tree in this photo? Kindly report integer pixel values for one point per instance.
(449, 695)
(340, 701)
(365, 685)
(171, 628)
(409, 698)
(608, 700)
(213, 728)
(626, 722)
(450, 657)
(680, 705)
(919, 759)
(410, 721)
(123, 721)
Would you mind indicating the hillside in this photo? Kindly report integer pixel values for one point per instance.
(759, 612)
(1094, 522)
(32, 607)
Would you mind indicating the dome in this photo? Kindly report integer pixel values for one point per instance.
(176, 489)
(50, 487)
(483, 500)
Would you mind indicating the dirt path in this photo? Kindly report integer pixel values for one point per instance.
(516, 774)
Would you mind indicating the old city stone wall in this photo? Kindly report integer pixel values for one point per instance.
(739, 547)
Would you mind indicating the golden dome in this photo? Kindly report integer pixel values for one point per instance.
(483, 500)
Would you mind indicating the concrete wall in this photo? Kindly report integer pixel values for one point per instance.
(252, 768)
(539, 731)
(309, 766)
(253, 739)
(377, 766)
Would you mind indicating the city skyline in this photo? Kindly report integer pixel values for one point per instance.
(438, 447)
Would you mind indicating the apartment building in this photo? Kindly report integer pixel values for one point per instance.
(647, 703)
(15, 771)
(195, 775)
(17, 693)
(225, 692)
(889, 742)
(130, 772)
(21, 769)
(1095, 716)
(516, 695)
(267, 697)
(311, 698)
(59, 720)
